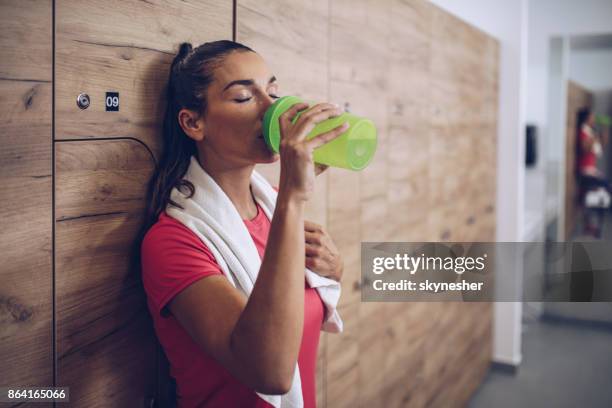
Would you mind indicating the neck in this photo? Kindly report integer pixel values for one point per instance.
(234, 180)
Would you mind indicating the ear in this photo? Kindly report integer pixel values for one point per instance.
(192, 124)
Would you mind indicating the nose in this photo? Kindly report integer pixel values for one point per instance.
(266, 101)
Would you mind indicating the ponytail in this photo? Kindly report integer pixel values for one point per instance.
(191, 73)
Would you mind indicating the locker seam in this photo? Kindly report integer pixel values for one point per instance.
(53, 271)
(94, 139)
(234, 5)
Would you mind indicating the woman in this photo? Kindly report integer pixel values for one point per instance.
(590, 148)
(224, 347)
(590, 143)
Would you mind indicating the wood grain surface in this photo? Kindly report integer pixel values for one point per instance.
(26, 349)
(105, 341)
(292, 37)
(126, 47)
(577, 98)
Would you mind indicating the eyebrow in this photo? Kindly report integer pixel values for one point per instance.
(246, 82)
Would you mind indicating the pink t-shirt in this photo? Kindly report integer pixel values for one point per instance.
(173, 257)
(587, 163)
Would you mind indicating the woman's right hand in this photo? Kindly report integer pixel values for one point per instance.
(297, 167)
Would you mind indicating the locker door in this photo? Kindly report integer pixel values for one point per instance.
(355, 63)
(107, 351)
(26, 274)
(461, 71)
(292, 37)
(105, 342)
(410, 129)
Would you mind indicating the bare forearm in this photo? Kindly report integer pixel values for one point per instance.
(269, 332)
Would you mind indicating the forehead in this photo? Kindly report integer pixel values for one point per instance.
(241, 65)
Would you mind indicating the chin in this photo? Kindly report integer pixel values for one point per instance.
(271, 158)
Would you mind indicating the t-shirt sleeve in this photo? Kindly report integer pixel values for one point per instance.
(583, 135)
(173, 258)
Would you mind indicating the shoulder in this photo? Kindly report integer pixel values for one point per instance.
(586, 131)
(173, 257)
(168, 233)
(170, 249)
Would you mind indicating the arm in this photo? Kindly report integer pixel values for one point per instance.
(586, 142)
(256, 340)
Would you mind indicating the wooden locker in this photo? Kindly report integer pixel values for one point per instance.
(462, 59)
(125, 47)
(409, 151)
(105, 341)
(107, 351)
(292, 37)
(356, 81)
(26, 185)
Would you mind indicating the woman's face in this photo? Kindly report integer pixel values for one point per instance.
(242, 89)
(591, 119)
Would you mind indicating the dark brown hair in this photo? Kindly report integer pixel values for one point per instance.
(191, 73)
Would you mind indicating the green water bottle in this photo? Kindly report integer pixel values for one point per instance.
(353, 149)
(603, 120)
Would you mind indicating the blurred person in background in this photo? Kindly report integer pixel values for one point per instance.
(591, 143)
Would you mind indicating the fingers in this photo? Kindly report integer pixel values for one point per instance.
(317, 266)
(287, 116)
(308, 120)
(319, 108)
(327, 136)
(319, 254)
(312, 227)
(314, 238)
(314, 250)
(290, 113)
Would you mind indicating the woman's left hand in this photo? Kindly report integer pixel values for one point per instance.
(322, 256)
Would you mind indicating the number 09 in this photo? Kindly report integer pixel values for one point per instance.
(112, 101)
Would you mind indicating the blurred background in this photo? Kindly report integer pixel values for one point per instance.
(493, 122)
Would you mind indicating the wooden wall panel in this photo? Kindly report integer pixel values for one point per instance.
(26, 349)
(105, 341)
(438, 152)
(410, 131)
(127, 47)
(433, 179)
(105, 338)
(292, 37)
(357, 200)
(463, 74)
(577, 99)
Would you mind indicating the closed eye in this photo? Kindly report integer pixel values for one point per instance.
(248, 99)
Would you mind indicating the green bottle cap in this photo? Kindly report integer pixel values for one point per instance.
(271, 125)
(353, 149)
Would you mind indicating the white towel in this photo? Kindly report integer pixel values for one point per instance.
(212, 216)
